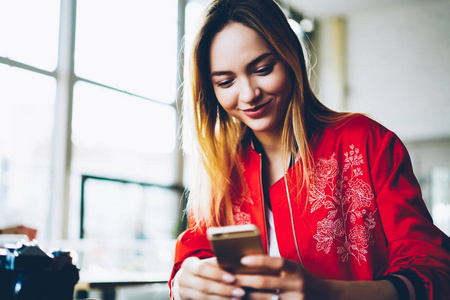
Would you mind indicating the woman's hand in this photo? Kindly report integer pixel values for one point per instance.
(293, 281)
(204, 279)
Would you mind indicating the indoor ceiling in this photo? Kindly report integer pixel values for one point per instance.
(321, 8)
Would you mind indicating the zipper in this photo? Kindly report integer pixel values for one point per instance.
(292, 220)
(263, 202)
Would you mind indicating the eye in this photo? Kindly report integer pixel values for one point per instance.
(224, 83)
(265, 70)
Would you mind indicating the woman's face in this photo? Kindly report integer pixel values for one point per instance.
(250, 81)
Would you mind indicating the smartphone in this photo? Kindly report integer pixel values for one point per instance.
(231, 243)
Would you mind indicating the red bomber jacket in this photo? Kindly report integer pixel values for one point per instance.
(363, 217)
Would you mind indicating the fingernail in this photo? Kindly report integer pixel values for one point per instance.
(228, 278)
(246, 260)
(238, 292)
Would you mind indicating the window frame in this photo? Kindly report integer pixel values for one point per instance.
(64, 74)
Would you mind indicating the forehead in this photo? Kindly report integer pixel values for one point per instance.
(236, 45)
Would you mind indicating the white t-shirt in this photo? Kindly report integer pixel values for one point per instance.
(273, 244)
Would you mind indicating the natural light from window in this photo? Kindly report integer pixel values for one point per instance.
(29, 32)
(131, 45)
(26, 128)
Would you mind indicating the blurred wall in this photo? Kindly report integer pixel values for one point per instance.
(392, 62)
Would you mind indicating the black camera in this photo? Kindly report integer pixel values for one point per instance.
(28, 273)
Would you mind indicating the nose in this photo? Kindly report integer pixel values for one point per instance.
(249, 90)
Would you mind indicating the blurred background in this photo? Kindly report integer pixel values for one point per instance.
(91, 94)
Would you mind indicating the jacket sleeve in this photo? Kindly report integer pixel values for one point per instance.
(192, 242)
(416, 247)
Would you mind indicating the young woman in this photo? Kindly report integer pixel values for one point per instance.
(333, 194)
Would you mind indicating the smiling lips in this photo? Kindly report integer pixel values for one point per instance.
(257, 111)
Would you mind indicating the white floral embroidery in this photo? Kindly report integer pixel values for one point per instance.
(241, 217)
(346, 196)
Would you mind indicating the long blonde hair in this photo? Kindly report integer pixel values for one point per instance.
(221, 138)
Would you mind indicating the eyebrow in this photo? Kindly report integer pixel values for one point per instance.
(251, 64)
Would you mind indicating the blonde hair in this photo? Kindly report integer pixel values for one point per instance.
(221, 138)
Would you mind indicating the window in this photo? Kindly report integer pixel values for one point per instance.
(440, 197)
(124, 129)
(28, 55)
(29, 32)
(99, 102)
(26, 126)
(129, 45)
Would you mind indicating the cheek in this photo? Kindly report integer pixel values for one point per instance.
(226, 98)
(281, 81)
(279, 85)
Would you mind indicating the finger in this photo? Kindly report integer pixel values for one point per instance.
(208, 287)
(293, 296)
(189, 293)
(271, 263)
(192, 277)
(275, 296)
(270, 282)
(207, 268)
(259, 282)
(292, 267)
(262, 296)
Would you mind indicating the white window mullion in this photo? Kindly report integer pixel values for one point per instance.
(59, 211)
(180, 79)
